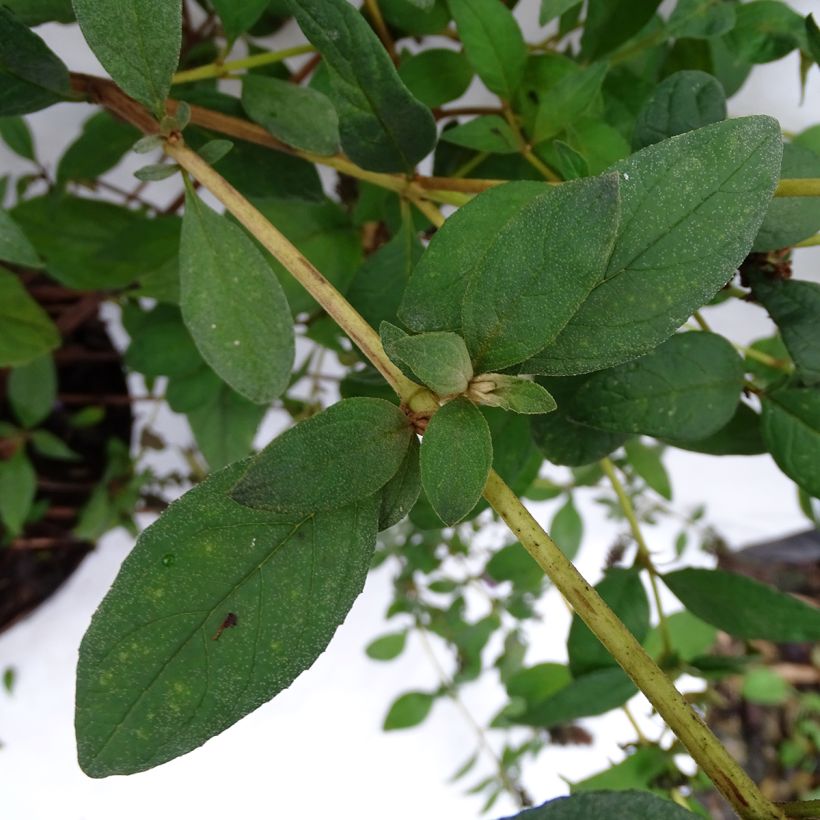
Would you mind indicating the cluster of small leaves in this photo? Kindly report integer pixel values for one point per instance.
(545, 323)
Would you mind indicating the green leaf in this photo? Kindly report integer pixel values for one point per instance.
(439, 360)
(224, 424)
(586, 696)
(14, 131)
(701, 18)
(795, 308)
(686, 389)
(489, 133)
(383, 126)
(297, 115)
(791, 429)
(550, 9)
(609, 24)
(564, 441)
(26, 331)
(456, 456)
(791, 218)
(610, 805)
(689, 636)
(513, 563)
(409, 16)
(436, 76)
(522, 292)
(239, 15)
(408, 710)
(647, 463)
(512, 393)
(641, 770)
(9, 675)
(387, 647)
(766, 687)
(137, 42)
(623, 591)
(671, 191)
(233, 305)
(14, 244)
(348, 452)
(215, 150)
(48, 445)
(740, 437)
(161, 669)
(18, 486)
(567, 100)
(684, 101)
(744, 607)
(402, 491)
(813, 38)
(492, 42)
(156, 172)
(101, 145)
(35, 12)
(31, 75)
(567, 529)
(765, 30)
(32, 390)
(162, 346)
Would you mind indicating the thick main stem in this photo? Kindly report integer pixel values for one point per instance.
(704, 747)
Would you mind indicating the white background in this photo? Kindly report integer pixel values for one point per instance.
(318, 749)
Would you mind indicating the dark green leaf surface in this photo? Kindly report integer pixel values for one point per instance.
(684, 101)
(439, 360)
(564, 441)
(623, 590)
(407, 15)
(641, 770)
(456, 456)
(740, 437)
(791, 218)
(239, 15)
(795, 308)
(436, 76)
(409, 710)
(714, 183)
(646, 462)
(489, 133)
(744, 607)
(513, 563)
(348, 452)
(18, 485)
(14, 244)
(550, 9)
(101, 145)
(813, 38)
(161, 670)
(607, 806)
(493, 43)
(14, 131)
(765, 30)
(31, 75)
(402, 491)
(137, 42)
(35, 12)
(27, 331)
(791, 430)
(297, 115)
(610, 23)
(701, 18)
(32, 390)
(562, 104)
(540, 267)
(687, 389)
(383, 126)
(233, 305)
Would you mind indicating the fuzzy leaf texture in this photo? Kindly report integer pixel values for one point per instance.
(137, 42)
(615, 805)
(344, 454)
(216, 610)
(714, 183)
(383, 127)
(439, 360)
(233, 305)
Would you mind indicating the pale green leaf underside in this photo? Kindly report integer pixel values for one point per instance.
(157, 677)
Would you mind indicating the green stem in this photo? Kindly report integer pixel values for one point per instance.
(704, 747)
(765, 358)
(798, 187)
(811, 242)
(644, 558)
(526, 149)
(220, 69)
(802, 809)
(728, 777)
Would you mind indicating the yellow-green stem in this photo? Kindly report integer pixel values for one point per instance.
(219, 69)
(809, 809)
(729, 778)
(704, 747)
(644, 556)
(798, 187)
(811, 242)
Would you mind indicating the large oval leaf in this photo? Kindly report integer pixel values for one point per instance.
(714, 184)
(137, 42)
(687, 389)
(27, 332)
(168, 663)
(383, 126)
(233, 304)
(616, 805)
(348, 452)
